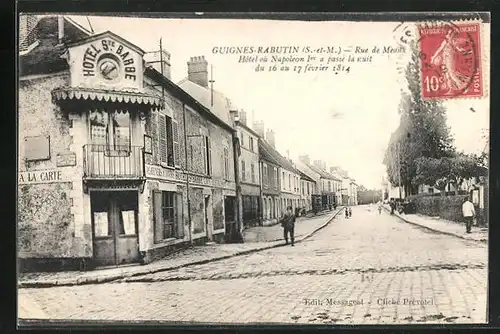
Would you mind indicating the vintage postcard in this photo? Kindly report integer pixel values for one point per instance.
(253, 171)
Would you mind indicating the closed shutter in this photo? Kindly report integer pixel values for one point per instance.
(162, 124)
(157, 213)
(175, 137)
(209, 156)
(204, 153)
(179, 215)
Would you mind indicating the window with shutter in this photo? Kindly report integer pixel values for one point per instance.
(226, 163)
(175, 138)
(243, 174)
(209, 156)
(204, 152)
(253, 172)
(162, 131)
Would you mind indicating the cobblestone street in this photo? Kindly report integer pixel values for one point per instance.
(370, 268)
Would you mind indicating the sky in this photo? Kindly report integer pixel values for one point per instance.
(301, 107)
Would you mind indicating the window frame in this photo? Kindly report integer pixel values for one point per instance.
(173, 202)
(109, 145)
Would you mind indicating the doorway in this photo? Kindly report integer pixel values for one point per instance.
(115, 227)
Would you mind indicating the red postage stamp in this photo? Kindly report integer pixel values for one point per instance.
(450, 56)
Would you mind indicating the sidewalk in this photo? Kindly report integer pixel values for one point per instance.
(303, 226)
(444, 226)
(187, 257)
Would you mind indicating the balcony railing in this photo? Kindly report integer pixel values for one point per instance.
(113, 162)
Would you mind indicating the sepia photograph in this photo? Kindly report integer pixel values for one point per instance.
(251, 171)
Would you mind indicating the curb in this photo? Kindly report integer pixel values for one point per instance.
(436, 230)
(107, 279)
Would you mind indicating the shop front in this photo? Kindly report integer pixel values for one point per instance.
(106, 105)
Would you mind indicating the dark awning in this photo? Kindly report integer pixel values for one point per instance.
(106, 96)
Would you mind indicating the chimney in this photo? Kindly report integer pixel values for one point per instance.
(60, 28)
(160, 61)
(198, 71)
(305, 159)
(320, 164)
(259, 128)
(243, 117)
(270, 138)
(234, 116)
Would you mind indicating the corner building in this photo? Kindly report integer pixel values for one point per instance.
(109, 172)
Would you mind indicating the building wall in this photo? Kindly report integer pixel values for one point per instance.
(51, 215)
(216, 184)
(249, 156)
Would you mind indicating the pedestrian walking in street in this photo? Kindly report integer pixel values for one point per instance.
(469, 213)
(380, 209)
(350, 212)
(288, 224)
(346, 213)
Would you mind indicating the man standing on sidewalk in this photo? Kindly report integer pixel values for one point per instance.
(469, 214)
(288, 223)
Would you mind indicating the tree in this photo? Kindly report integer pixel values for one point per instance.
(422, 132)
(432, 171)
(445, 170)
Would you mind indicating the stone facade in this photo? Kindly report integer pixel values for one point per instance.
(55, 229)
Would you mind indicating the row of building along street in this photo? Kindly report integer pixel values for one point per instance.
(118, 164)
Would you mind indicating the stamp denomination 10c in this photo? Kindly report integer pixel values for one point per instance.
(450, 56)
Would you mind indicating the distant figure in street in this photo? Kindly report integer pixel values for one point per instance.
(379, 209)
(393, 206)
(346, 212)
(350, 212)
(288, 224)
(469, 214)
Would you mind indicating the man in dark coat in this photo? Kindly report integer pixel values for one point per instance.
(288, 223)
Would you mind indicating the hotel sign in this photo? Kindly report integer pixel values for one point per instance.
(42, 176)
(158, 172)
(106, 61)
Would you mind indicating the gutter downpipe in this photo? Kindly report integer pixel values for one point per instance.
(186, 172)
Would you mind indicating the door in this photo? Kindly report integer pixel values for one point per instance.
(115, 227)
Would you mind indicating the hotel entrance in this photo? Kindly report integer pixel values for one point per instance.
(115, 227)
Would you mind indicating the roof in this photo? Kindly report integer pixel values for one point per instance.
(186, 97)
(46, 57)
(222, 105)
(305, 177)
(323, 173)
(269, 151)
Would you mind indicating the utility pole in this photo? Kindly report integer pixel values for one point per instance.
(211, 85)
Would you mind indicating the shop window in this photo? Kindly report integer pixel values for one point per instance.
(110, 131)
(168, 215)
